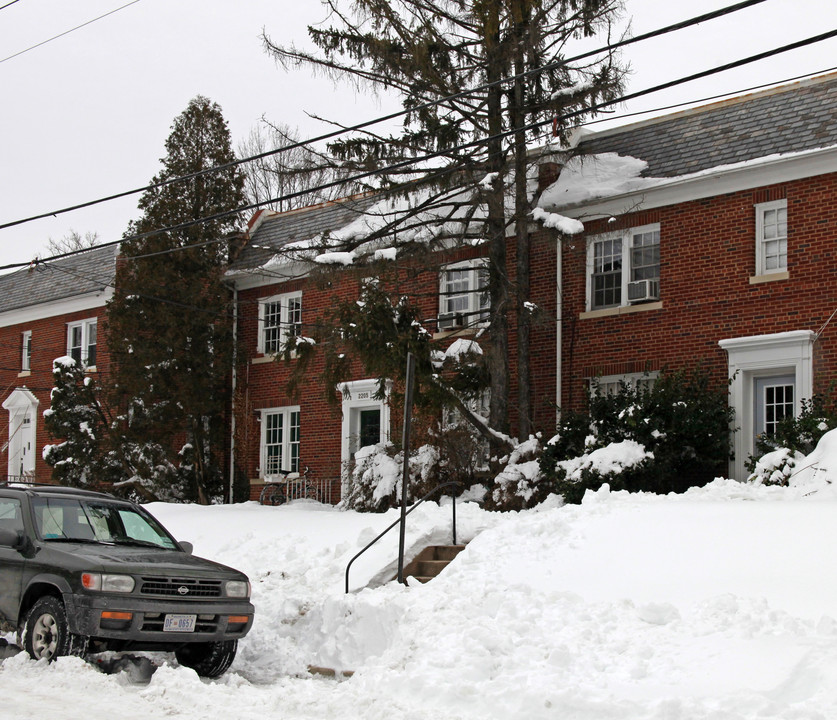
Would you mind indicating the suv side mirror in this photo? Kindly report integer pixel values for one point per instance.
(10, 538)
(186, 546)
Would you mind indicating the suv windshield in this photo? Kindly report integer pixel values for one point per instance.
(96, 521)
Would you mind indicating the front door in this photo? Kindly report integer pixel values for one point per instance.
(773, 398)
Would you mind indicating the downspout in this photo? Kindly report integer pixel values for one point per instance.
(234, 382)
(559, 327)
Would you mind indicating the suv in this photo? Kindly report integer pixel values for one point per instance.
(83, 571)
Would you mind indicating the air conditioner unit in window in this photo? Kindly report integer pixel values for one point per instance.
(643, 290)
(451, 322)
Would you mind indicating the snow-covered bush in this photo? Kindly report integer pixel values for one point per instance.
(776, 467)
(374, 483)
(520, 484)
(799, 434)
(664, 438)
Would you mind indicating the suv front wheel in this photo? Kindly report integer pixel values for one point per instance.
(46, 634)
(209, 660)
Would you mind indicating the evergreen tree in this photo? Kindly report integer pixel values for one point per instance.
(169, 322)
(77, 420)
(474, 186)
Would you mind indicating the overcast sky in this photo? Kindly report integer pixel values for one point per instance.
(87, 114)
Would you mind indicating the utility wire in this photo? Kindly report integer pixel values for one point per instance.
(429, 156)
(375, 121)
(66, 32)
(3, 7)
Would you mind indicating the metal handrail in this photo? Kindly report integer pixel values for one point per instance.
(409, 510)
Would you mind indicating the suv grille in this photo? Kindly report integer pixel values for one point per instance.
(180, 588)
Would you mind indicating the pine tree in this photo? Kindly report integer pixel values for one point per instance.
(479, 141)
(169, 321)
(77, 420)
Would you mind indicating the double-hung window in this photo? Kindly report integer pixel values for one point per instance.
(624, 268)
(463, 295)
(280, 440)
(280, 318)
(26, 351)
(771, 237)
(81, 342)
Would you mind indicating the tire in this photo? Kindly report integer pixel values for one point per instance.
(209, 660)
(271, 495)
(46, 634)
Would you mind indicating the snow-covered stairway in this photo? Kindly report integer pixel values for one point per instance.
(431, 561)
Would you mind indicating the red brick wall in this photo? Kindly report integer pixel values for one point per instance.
(262, 385)
(707, 256)
(49, 341)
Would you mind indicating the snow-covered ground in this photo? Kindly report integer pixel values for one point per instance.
(717, 604)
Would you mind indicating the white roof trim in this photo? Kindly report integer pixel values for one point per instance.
(770, 170)
(56, 308)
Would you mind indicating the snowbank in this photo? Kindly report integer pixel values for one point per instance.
(718, 603)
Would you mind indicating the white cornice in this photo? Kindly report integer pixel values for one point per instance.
(273, 274)
(727, 179)
(31, 313)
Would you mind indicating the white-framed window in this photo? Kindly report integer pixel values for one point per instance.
(623, 268)
(26, 351)
(280, 438)
(771, 237)
(280, 318)
(611, 384)
(81, 342)
(464, 300)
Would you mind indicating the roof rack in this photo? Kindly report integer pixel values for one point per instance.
(27, 485)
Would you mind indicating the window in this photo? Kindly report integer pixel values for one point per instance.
(624, 268)
(771, 237)
(773, 401)
(26, 351)
(81, 342)
(280, 318)
(280, 441)
(463, 295)
(611, 384)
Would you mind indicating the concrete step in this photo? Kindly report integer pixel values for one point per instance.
(431, 561)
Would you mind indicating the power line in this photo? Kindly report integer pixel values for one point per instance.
(429, 156)
(66, 32)
(3, 7)
(385, 118)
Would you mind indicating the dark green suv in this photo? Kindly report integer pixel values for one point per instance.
(84, 572)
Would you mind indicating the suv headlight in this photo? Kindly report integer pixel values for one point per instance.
(107, 583)
(238, 588)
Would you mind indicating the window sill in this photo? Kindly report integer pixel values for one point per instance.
(262, 359)
(24, 373)
(621, 310)
(769, 277)
(458, 332)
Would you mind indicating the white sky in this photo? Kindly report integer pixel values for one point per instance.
(87, 114)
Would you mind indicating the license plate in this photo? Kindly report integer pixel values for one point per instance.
(179, 623)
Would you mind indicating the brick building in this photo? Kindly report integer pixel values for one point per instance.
(710, 237)
(47, 311)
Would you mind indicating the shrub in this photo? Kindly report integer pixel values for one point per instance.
(375, 477)
(799, 433)
(681, 423)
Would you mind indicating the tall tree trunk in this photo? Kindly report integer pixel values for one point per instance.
(521, 213)
(498, 354)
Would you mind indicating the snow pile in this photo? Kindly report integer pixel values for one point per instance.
(717, 603)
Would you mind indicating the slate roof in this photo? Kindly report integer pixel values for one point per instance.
(787, 119)
(298, 225)
(87, 272)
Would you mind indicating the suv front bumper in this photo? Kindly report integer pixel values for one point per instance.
(215, 619)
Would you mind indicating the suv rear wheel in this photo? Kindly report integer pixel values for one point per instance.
(209, 660)
(46, 634)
